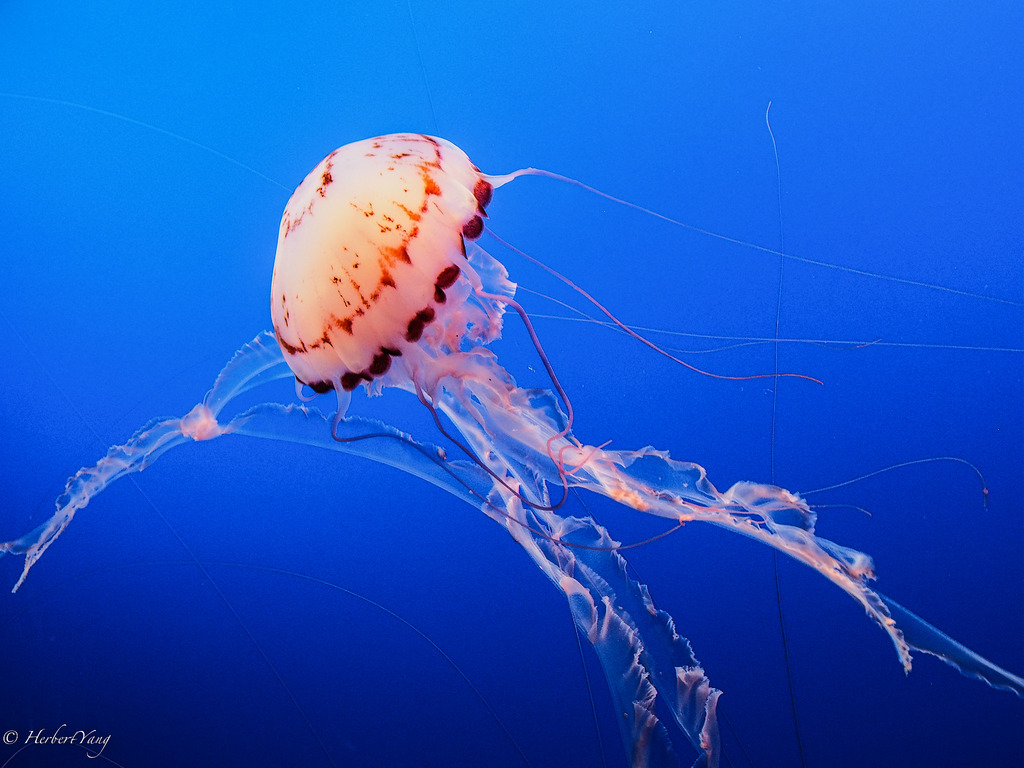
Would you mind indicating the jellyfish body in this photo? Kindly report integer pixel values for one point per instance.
(374, 285)
(369, 243)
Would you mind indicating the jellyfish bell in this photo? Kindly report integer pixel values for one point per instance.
(370, 244)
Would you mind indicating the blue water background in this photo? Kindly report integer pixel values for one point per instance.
(146, 154)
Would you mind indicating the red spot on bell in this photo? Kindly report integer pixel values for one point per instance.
(473, 228)
(483, 192)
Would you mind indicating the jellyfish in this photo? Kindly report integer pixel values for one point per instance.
(379, 286)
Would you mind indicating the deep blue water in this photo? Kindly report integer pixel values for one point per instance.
(145, 159)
